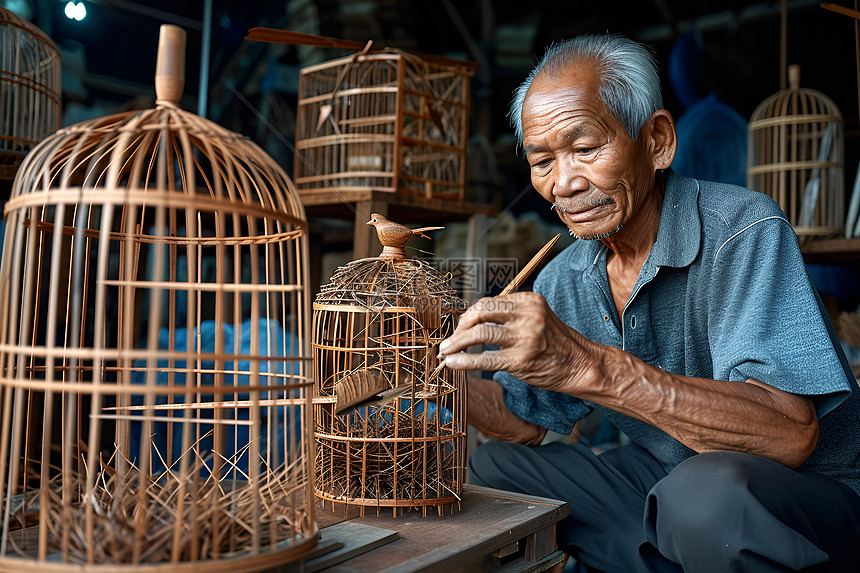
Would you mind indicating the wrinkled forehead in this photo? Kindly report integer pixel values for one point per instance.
(578, 77)
(562, 93)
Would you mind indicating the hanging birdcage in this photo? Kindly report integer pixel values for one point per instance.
(796, 157)
(29, 89)
(390, 426)
(154, 346)
(390, 121)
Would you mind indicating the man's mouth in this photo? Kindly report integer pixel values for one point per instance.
(581, 211)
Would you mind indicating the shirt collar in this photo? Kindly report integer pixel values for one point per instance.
(678, 237)
(680, 232)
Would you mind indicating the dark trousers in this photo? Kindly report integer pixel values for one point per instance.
(716, 512)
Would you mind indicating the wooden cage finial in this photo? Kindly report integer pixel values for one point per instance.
(170, 66)
(794, 77)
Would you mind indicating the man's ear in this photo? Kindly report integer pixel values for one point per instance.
(663, 139)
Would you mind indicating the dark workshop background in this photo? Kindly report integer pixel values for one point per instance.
(733, 52)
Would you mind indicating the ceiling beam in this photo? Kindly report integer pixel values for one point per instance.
(154, 13)
(718, 20)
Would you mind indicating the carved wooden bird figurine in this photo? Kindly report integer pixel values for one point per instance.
(393, 234)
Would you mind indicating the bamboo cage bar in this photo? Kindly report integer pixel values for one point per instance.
(387, 121)
(796, 157)
(29, 89)
(381, 320)
(155, 383)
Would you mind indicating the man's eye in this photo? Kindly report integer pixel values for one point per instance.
(542, 163)
(585, 150)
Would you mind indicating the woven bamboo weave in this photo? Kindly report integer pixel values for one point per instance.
(381, 319)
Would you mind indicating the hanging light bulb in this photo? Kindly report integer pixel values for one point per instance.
(75, 11)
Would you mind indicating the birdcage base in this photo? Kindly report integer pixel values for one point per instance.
(444, 505)
(224, 540)
(242, 562)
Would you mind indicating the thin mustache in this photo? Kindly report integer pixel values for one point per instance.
(578, 206)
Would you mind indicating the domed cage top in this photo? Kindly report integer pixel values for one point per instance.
(154, 349)
(29, 90)
(796, 157)
(390, 426)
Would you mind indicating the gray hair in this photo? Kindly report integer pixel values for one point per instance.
(629, 84)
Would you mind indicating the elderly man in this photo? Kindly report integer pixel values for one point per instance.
(685, 315)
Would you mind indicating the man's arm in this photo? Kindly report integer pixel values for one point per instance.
(705, 415)
(488, 413)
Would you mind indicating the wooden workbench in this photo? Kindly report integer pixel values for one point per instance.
(494, 530)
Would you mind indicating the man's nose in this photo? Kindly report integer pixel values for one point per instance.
(570, 179)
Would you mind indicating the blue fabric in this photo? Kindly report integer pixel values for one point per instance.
(685, 70)
(724, 294)
(712, 143)
(273, 341)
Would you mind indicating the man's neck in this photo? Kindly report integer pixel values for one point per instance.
(630, 247)
(633, 243)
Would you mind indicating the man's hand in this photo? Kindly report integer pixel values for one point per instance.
(536, 346)
(488, 413)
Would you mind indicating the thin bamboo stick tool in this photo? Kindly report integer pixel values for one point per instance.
(515, 284)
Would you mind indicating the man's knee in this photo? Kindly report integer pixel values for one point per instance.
(719, 511)
(702, 495)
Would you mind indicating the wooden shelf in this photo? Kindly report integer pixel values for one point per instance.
(831, 250)
(414, 207)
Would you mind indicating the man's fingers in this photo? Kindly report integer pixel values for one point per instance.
(492, 334)
(488, 360)
(498, 309)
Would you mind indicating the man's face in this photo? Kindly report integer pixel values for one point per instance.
(581, 157)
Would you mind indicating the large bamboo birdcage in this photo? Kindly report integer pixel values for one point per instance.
(29, 89)
(390, 121)
(377, 326)
(796, 157)
(154, 347)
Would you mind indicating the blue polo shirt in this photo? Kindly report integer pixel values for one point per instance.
(724, 294)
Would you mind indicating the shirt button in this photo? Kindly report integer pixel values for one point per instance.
(633, 321)
(606, 317)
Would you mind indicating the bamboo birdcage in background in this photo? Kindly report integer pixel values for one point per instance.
(378, 323)
(29, 89)
(154, 348)
(796, 157)
(389, 121)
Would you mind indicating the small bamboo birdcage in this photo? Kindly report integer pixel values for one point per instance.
(154, 342)
(29, 89)
(377, 326)
(386, 121)
(795, 156)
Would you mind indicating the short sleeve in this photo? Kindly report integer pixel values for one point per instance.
(552, 410)
(767, 321)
